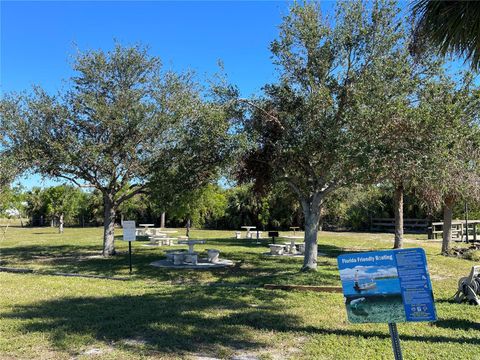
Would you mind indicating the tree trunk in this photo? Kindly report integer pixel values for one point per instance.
(162, 220)
(188, 228)
(60, 226)
(398, 205)
(312, 219)
(447, 224)
(108, 226)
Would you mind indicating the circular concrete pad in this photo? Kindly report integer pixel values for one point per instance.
(202, 264)
(291, 255)
(283, 255)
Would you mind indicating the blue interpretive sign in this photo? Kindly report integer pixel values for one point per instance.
(387, 286)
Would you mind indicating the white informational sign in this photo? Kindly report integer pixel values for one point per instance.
(129, 231)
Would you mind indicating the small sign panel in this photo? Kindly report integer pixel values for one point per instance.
(387, 286)
(129, 231)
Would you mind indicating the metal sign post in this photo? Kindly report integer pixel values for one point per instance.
(129, 234)
(397, 349)
(273, 234)
(130, 255)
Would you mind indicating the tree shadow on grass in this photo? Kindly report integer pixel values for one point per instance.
(173, 321)
(33, 252)
(385, 335)
(458, 324)
(251, 266)
(450, 300)
(178, 321)
(332, 251)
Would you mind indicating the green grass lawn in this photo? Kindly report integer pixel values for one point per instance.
(220, 313)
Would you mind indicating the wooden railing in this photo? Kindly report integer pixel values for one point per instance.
(434, 229)
(459, 228)
(409, 225)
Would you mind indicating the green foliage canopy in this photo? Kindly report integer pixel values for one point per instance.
(123, 124)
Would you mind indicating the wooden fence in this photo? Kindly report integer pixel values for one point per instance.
(419, 226)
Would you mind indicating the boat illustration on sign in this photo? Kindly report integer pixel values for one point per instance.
(363, 287)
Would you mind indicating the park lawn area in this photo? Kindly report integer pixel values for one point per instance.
(220, 313)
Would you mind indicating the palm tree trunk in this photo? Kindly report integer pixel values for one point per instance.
(398, 205)
(447, 224)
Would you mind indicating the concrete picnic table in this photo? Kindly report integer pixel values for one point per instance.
(292, 244)
(191, 244)
(161, 239)
(145, 227)
(160, 232)
(167, 231)
(248, 228)
(276, 249)
(294, 228)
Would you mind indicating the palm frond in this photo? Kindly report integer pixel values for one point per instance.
(452, 26)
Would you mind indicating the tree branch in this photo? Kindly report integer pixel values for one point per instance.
(272, 117)
(69, 178)
(140, 190)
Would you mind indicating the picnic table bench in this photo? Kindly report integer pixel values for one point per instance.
(161, 240)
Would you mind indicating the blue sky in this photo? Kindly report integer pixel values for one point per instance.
(38, 39)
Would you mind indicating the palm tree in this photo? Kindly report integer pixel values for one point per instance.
(452, 26)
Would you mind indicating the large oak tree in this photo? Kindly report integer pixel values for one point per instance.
(123, 123)
(305, 128)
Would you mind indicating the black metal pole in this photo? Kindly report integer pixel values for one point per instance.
(397, 350)
(130, 255)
